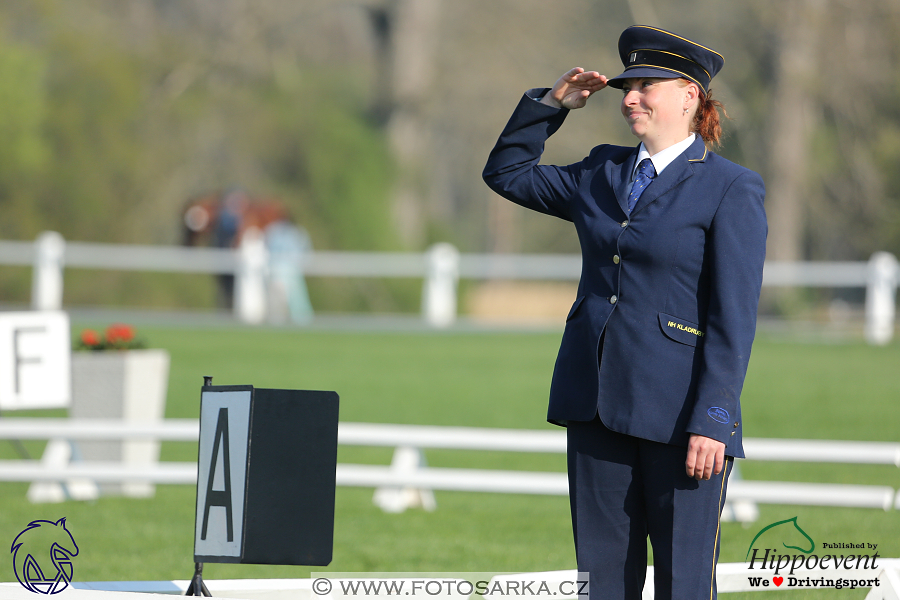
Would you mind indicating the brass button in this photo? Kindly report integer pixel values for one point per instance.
(624, 223)
(612, 299)
(736, 424)
(616, 259)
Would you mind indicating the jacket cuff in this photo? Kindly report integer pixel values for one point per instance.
(537, 94)
(716, 423)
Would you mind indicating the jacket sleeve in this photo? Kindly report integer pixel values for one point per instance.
(736, 249)
(512, 168)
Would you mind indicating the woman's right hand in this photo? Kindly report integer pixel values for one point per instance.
(574, 88)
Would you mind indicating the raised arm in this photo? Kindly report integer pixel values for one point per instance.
(512, 169)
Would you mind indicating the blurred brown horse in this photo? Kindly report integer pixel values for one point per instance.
(220, 219)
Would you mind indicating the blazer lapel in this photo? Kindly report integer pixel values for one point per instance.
(677, 171)
(619, 175)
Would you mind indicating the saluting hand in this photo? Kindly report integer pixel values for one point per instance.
(574, 88)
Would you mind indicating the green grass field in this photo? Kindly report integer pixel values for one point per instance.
(796, 390)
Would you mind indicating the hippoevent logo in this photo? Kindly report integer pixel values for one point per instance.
(42, 556)
(771, 550)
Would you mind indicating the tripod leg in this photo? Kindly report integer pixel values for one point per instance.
(197, 587)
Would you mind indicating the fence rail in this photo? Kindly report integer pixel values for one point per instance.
(439, 437)
(407, 471)
(440, 267)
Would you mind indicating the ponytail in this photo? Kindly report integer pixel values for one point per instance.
(706, 120)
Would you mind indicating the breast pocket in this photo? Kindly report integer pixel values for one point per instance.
(679, 330)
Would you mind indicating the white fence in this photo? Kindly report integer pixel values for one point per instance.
(407, 481)
(440, 267)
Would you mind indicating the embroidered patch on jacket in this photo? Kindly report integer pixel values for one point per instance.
(718, 414)
(680, 330)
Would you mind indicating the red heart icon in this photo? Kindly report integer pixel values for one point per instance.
(778, 580)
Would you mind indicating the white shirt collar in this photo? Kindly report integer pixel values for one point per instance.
(663, 158)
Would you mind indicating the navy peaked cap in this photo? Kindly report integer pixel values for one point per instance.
(653, 52)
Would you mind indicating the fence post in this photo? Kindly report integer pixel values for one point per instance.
(406, 460)
(47, 276)
(250, 278)
(880, 298)
(439, 293)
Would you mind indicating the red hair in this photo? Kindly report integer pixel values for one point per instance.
(706, 121)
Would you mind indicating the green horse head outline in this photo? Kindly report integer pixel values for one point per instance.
(812, 544)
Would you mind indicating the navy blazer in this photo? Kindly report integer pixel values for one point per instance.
(670, 291)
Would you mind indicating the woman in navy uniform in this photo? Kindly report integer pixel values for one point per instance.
(656, 346)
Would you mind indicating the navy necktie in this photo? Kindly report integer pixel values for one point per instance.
(645, 174)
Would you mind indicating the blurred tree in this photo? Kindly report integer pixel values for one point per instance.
(854, 206)
(372, 118)
(793, 108)
(23, 153)
(407, 34)
(128, 109)
(114, 114)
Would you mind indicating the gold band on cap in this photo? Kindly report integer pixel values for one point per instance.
(675, 55)
(680, 38)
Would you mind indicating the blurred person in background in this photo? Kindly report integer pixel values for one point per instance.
(656, 346)
(221, 220)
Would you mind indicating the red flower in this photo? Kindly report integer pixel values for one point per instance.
(89, 337)
(118, 336)
(119, 333)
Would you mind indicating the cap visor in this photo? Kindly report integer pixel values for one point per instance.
(642, 72)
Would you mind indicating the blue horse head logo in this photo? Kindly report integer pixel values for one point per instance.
(42, 556)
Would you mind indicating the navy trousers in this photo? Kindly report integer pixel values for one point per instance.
(623, 489)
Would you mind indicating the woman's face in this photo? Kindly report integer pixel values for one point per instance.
(654, 108)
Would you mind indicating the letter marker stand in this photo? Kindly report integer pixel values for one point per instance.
(266, 477)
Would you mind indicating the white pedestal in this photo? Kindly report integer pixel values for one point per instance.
(128, 385)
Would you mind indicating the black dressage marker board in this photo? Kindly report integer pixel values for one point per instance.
(266, 476)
